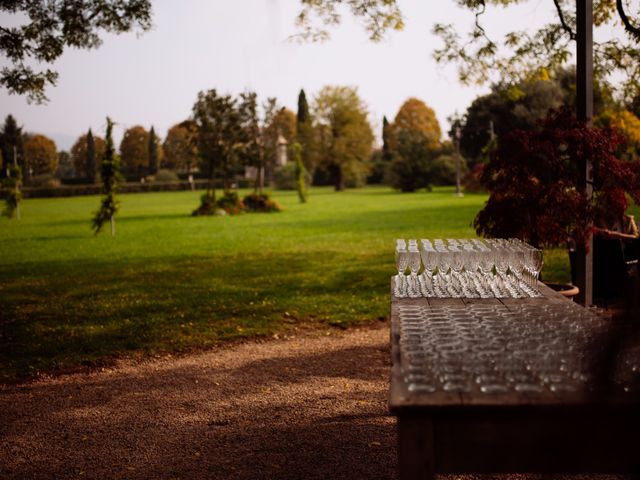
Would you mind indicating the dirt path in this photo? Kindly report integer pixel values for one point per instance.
(308, 407)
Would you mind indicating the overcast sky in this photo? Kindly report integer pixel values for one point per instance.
(234, 45)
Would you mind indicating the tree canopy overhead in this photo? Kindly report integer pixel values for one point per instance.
(482, 58)
(50, 27)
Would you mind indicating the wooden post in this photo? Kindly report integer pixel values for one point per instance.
(584, 108)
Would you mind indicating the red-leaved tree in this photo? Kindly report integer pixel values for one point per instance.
(533, 179)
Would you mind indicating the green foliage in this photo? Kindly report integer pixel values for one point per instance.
(11, 140)
(284, 177)
(443, 169)
(51, 27)
(379, 16)
(110, 176)
(411, 168)
(90, 164)
(220, 135)
(481, 58)
(303, 115)
(12, 191)
(80, 155)
(260, 203)
(345, 135)
(229, 203)
(180, 147)
(153, 152)
(167, 176)
(300, 172)
(387, 154)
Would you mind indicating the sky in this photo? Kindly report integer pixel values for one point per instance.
(232, 46)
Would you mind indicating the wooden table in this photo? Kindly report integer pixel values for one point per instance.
(594, 429)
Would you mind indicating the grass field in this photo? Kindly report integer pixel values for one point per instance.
(170, 282)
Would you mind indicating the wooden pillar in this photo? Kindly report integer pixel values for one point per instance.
(584, 108)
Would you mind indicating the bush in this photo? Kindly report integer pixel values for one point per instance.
(443, 170)
(260, 203)
(472, 180)
(229, 203)
(285, 177)
(410, 169)
(166, 176)
(45, 180)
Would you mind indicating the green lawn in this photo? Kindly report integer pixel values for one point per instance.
(170, 282)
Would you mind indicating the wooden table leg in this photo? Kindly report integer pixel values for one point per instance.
(416, 453)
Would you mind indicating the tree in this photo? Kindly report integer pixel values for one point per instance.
(480, 59)
(628, 125)
(111, 177)
(532, 175)
(220, 136)
(80, 155)
(13, 191)
(41, 154)
(51, 27)
(180, 147)
(303, 115)
(411, 167)
(416, 117)
(134, 151)
(300, 172)
(345, 135)
(90, 169)
(11, 143)
(386, 140)
(252, 153)
(305, 133)
(65, 164)
(153, 152)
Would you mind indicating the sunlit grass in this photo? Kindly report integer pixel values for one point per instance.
(170, 282)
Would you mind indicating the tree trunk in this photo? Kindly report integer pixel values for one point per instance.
(113, 226)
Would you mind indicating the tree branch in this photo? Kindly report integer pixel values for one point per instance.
(629, 27)
(565, 26)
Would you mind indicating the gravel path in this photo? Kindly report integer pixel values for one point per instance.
(309, 407)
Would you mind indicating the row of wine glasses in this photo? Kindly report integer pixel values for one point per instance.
(469, 268)
(495, 350)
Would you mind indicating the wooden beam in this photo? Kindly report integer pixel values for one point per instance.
(584, 108)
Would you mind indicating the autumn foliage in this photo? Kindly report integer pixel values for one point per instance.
(533, 179)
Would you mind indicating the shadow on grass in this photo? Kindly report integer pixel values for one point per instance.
(86, 313)
(285, 417)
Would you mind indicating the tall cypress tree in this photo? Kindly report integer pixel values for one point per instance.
(386, 148)
(90, 165)
(303, 108)
(153, 152)
(110, 175)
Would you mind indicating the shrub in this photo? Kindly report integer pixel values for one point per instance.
(472, 180)
(45, 180)
(443, 170)
(166, 176)
(260, 203)
(230, 203)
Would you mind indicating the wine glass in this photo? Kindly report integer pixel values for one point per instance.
(537, 262)
(402, 261)
(414, 266)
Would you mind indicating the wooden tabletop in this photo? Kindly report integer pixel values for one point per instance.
(600, 392)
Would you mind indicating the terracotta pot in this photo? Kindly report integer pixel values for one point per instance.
(565, 289)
